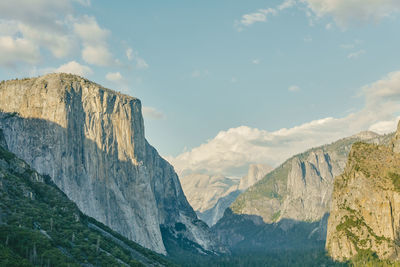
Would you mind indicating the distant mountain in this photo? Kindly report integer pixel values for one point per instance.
(91, 142)
(293, 198)
(40, 226)
(203, 191)
(210, 195)
(365, 211)
(301, 188)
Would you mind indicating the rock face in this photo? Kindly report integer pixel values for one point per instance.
(290, 205)
(256, 173)
(203, 191)
(37, 216)
(91, 141)
(301, 188)
(365, 212)
(210, 195)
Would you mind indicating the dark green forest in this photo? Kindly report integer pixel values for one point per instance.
(40, 226)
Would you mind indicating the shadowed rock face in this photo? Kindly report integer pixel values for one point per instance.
(91, 141)
(249, 233)
(365, 211)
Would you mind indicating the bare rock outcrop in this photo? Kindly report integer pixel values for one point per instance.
(365, 210)
(91, 141)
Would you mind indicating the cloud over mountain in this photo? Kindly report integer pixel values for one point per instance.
(231, 151)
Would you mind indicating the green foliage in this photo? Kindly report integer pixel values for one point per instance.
(272, 186)
(395, 177)
(276, 216)
(42, 227)
(6, 155)
(352, 222)
(316, 257)
(368, 258)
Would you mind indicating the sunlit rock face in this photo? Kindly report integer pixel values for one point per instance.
(365, 210)
(210, 195)
(289, 207)
(91, 141)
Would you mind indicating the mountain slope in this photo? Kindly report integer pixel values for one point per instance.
(210, 195)
(203, 191)
(39, 225)
(301, 188)
(292, 200)
(91, 142)
(365, 212)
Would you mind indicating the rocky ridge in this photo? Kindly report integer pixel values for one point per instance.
(90, 140)
(290, 205)
(365, 211)
(300, 189)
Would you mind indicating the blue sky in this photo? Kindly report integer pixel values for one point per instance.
(204, 67)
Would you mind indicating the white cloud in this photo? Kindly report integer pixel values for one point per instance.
(94, 38)
(114, 77)
(55, 26)
(383, 127)
(44, 23)
(152, 113)
(231, 151)
(294, 88)
(17, 50)
(90, 32)
(41, 13)
(356, 54)
(60, 44)
(97, 55)
(260, 16)
(256, 61)
(129, 53)
(74, 67)
(119, 80)
(346, 12)
(141, 64)
(343, 12)
(287, 4)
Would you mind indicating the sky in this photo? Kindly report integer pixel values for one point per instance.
(223, 83)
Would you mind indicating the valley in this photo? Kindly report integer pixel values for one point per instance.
(76, 191)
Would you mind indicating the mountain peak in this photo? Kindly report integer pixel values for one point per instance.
(365, 135)
(91, 141)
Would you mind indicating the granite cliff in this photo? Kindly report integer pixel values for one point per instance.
(90, 140)
(301, 188)
(365, 211)
(294, 199)
(210, 195)
(40, 226)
